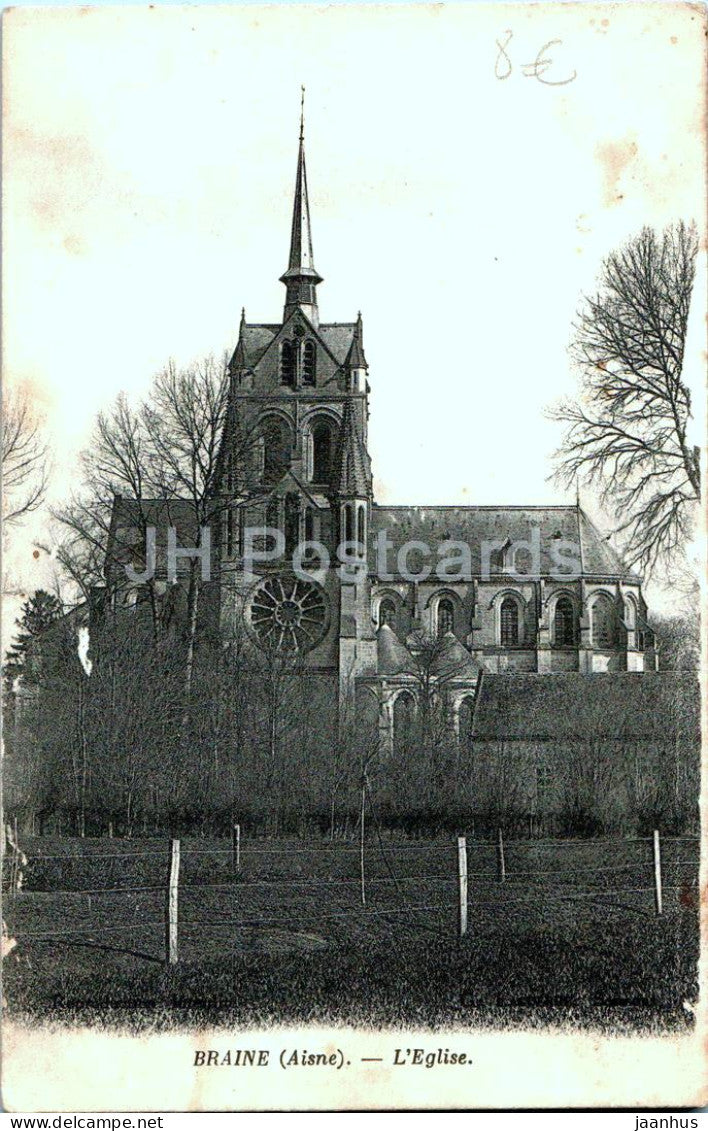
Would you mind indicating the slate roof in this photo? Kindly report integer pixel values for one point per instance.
(576, 705)
(475, 525)
(392, 656)
(255, 338)
(129, 519)
(351, 474)
(159, 513)
(598, 555)
(337, 336)
(454, 661)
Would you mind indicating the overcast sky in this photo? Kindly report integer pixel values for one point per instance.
(149, 167)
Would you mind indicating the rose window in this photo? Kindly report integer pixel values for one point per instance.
(289, 613)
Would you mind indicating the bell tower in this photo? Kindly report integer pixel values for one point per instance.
(296, 464)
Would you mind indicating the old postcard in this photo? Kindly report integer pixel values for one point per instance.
(353, 418)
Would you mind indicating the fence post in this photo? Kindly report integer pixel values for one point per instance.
(236, 844)
(172, 899)
(462, 878)
(502, 862)
(361, 845)
(15, 861)
(12, 853)
(657, 874)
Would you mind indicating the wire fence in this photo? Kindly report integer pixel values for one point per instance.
(178, 899)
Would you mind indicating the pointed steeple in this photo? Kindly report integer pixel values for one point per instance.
(355, 357)
(352, 476)
(301, 278)
(239, 358)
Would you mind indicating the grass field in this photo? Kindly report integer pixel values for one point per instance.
(571, 935)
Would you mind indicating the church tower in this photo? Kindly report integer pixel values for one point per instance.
(295, 466)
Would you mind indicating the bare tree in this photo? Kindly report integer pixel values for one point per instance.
(184, 421)
(627, 434)
(167, 451)
(116, 462)
(678, 634)
(501, 778)
(24, 458)
(433, 671)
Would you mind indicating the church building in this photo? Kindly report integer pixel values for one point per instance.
(295, 460)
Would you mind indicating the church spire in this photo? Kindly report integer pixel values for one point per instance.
(301, 278)
(351, 472)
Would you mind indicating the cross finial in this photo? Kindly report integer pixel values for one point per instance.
(302, 112)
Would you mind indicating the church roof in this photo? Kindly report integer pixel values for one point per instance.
(351, 474)
(159, 513)
(598, 554)
(255, 337)
(393, 658)
(570, 705)
(563, 529)
(129, 519)
(454, 661)
(337, 336)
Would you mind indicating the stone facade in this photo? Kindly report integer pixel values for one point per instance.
(294, 460)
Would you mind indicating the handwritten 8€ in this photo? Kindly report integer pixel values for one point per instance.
(535, 70)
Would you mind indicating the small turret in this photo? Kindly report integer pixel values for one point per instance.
(238, 360)
(355, 362)
(351, 482)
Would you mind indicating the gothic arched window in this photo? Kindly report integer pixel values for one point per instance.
(321, 451)
(446, 616)
(564, 623)
(309, 524)
(360, 527)
(292, 522)
(509, 623)
(309, 363)
(387, 612)
(348, 522)
(287, 364)
(232, 531)
(603, 623)
(276, 449)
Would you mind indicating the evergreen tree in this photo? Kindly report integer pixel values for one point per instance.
(38, 614)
